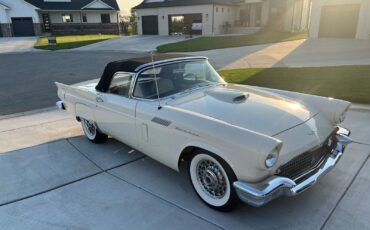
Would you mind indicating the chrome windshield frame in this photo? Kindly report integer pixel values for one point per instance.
(169, 62)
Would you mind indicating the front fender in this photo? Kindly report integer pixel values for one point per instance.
(244, 150)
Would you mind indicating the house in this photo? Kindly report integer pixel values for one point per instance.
(213, 17)
(340, 19)
(58, 17)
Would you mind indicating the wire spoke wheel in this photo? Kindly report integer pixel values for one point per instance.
(89, 129)
(211, 181)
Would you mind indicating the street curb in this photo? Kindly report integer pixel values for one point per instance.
(365, 107)
(31, 112)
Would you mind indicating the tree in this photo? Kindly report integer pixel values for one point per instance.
(133, 22)
(128, 24)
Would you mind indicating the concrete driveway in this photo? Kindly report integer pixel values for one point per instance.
(299, 53)
(21, 44)
(136, 43)
(53, 178)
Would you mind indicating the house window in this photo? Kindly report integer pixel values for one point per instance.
(46, 20)
(105, 18)
(67, 18)
(216, 9)
(84, 18)
(222, 9)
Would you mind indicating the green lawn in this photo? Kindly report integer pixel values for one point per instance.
(218, 42)
(350, 83)
(70, 42)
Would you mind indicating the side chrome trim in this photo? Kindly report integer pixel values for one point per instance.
(169, 61)
(161, 121)
(258, 194)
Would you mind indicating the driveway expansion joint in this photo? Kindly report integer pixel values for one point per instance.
(167, 201)
(73, 181)
(49, 190)
(98, 166)
(345, 192)
(119, 178)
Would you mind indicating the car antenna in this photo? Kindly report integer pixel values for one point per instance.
(155, 80)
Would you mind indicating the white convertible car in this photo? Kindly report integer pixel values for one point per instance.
(235, 141)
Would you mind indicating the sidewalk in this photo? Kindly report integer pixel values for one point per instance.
(13, 44)
(299, 53)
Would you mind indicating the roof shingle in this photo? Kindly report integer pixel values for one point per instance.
(169, 3)
(72, 5)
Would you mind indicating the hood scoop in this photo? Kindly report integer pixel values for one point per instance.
(229, 96)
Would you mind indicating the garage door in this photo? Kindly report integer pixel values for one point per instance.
(150, 24)
(23, 27)
(339, 21)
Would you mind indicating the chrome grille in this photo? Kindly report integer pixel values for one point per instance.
(308, 160)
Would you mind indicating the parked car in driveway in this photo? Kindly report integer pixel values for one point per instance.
(237, 141)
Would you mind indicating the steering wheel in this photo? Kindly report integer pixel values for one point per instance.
(191, 75)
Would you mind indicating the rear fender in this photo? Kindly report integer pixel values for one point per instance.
(83, 111)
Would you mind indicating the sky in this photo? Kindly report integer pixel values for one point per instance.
(126, 5)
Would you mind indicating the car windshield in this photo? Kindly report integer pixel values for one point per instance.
(175, 78)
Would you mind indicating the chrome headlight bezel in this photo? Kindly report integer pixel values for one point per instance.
(272, 158)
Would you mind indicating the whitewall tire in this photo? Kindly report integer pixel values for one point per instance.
(92, 132)
(212, 180)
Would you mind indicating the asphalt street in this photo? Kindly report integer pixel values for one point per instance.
(27, 79)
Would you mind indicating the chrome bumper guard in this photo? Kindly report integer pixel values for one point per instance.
(60, 105)
(259, 194)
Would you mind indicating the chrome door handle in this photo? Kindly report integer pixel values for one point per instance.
(99, 99)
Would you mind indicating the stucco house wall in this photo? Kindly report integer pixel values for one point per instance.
(47, 17)
(3, 14)
(363, 26)
(92, 17)
(164, 12)
(16, 9)
(294, 19)
(223, 14)
(20, 8)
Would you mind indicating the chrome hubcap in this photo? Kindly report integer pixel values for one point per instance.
(89, 128)
(211, 179)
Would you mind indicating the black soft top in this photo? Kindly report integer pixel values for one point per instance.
(130, 66)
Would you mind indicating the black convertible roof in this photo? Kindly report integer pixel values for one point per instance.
(131, 66)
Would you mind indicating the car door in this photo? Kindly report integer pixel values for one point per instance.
(157, 137)
(115, 114)
(154, 127)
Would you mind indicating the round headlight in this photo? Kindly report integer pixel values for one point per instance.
(271, 159)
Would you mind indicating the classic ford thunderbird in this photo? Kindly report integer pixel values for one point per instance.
(234, 141)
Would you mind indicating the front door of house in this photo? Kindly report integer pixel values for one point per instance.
(245, 16)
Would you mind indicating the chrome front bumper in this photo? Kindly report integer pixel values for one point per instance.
(261, 193)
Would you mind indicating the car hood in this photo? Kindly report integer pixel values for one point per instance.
(259, 111)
